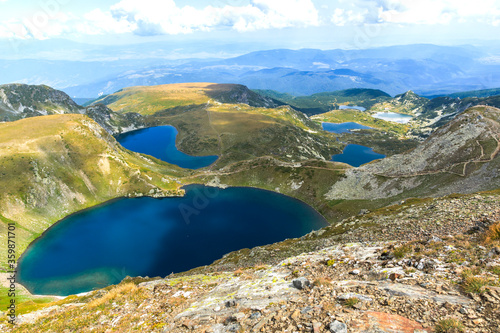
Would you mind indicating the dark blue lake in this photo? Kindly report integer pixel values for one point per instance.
(159, 142)
(155, 237)
(342, 127)
(357, 155)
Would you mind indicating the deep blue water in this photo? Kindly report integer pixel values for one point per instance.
(345, 107)
(357, 155)
(343, 127)
(155, 237)
(160, 143)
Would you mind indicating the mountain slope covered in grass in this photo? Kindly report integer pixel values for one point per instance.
(53, 166)
(148, 100)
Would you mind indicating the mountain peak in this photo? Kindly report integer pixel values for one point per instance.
(19, 101)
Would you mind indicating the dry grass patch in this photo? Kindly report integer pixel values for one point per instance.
(450, 325)
(493, 233)
(322, 281)
(114, 293)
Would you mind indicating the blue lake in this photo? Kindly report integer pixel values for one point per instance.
(155, 237)
(159, 142)
(345, 107)
(357, 155)
(343, 127)
(393, 116)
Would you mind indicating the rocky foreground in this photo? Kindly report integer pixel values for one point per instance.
(444, 280)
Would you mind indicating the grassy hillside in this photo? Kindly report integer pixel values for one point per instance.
(240, 132)
(327, 101)
(53, 166)
(148, 100)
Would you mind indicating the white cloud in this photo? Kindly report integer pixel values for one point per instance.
(150, 17)
(97, 22)
(153, 17)
(342, 17)
(424, 12)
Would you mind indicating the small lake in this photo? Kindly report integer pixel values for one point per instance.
(393, 116)
(345, 107)
(343, 127)
(159, 142)
(357, 155)
(155, 237)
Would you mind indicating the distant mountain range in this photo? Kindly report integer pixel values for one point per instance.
(428, 70)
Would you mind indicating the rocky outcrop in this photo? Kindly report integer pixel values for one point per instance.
(236, 93)
(115, 123)
(19, 101)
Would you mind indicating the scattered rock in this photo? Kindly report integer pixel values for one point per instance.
(435, 239)
(338, 327)
(347, 296)
(385, 322)
(231, 303)
(301, 283)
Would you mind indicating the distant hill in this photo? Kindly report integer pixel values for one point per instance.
(421, 68)
(148, 100)
(474, 93)
(327, 101)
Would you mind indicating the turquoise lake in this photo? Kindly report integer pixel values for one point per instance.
(342, 127)
(159, 142)
(155, 237)
(357, 155)
(347, 107)
(393, 116)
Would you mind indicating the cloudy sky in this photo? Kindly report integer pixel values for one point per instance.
(324, 24)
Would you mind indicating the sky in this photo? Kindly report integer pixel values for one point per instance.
(325, 24)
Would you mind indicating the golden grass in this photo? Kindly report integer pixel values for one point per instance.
(322, 281)
(151, 99)
(114, 293)
(493, 233)
(450, 325)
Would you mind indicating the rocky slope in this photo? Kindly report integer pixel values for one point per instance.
(113, 122)
(460, 157)
(19, 101)
(443, 281)
(407, 103)
(52, 166)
